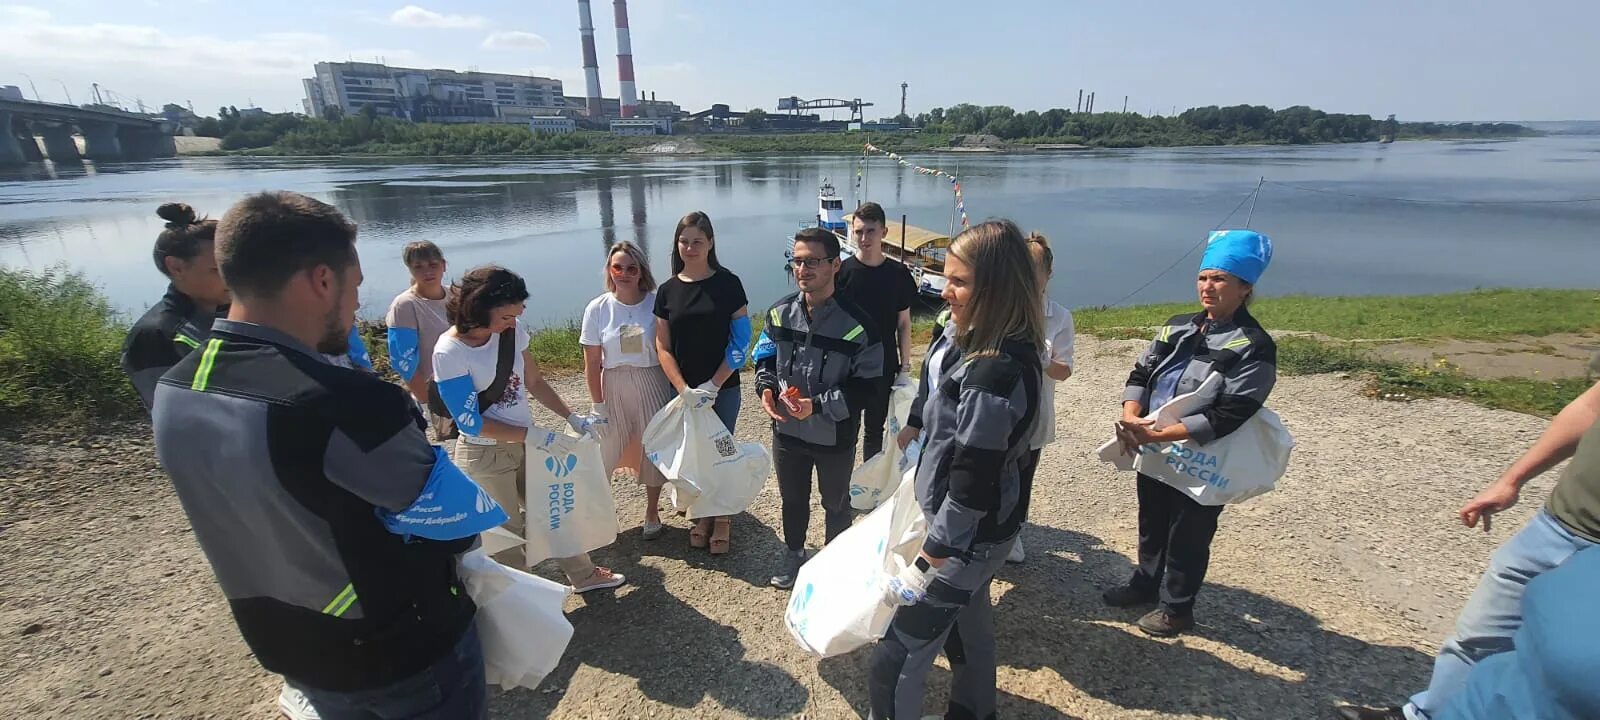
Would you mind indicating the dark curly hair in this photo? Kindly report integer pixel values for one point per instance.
(479, 291)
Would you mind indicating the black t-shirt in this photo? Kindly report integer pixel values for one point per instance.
(699, 315)
(882, 292)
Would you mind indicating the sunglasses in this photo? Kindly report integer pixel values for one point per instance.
(808, 263)
(624, 269)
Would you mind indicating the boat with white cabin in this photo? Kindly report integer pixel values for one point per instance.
(920, 250)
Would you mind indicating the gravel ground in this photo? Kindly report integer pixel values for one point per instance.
(1336, 586)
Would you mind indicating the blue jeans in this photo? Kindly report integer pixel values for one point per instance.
(453, 688)
(726, 406)
(1494, 612)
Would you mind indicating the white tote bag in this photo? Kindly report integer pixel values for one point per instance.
(569, 504)
(837, 604)
(520, 621)
(876, 479)
(711, 473)
(1244, 464)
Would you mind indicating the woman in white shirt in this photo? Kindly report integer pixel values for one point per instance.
(485, 309)
(624, 373)
(1056, 360)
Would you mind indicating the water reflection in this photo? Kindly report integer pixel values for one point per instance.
(1117, 217)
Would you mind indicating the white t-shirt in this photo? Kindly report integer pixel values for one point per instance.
(453, 358)
(1058, 339)
(625, 334)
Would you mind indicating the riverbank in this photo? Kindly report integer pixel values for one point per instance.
(1528, 351)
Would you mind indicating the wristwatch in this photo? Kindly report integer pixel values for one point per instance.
(921, 563)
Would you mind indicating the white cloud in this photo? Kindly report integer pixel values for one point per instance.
(414, 16)
(161, 65)
(23, 15)
(515, 40)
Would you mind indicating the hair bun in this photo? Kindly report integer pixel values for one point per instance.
(176, 214)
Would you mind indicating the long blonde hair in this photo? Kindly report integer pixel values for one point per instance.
(1005, 289)
(647, 281)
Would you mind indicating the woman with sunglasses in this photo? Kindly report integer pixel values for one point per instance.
(702, 331)
(623, 369)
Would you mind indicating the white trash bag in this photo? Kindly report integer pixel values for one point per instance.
(520, 621)
(1233, 469)
(877, 478)
(837, 604)
(570, 509)
(710, 473)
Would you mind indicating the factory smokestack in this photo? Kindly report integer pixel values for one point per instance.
(628, 98)
(591, 61)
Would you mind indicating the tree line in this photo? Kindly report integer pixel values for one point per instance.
(367, 132)
(1210, 125)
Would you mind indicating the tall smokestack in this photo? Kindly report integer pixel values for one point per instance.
(628, 98)
(591, 61)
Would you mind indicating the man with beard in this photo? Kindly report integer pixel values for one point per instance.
(291, 469)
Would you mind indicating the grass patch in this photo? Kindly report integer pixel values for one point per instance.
(1480, 315)
(557, 349)
(1390, 380)
(60, 352)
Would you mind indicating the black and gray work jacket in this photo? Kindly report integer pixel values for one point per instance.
(1239, 349)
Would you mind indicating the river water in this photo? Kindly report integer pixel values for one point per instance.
(1118, 219)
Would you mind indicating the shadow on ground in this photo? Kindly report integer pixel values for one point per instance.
(678, 655)
(1052, 619)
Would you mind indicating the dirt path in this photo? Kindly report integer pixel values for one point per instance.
(1336, 586)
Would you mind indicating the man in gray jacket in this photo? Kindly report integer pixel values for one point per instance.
(817, 363)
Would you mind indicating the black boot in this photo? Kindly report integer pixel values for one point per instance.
(1163, 623)
(792, 560)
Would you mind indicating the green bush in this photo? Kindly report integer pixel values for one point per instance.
(60, 349)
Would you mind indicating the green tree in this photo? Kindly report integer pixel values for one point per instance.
(755, 119)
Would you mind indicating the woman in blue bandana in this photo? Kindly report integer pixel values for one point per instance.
(1175, 531)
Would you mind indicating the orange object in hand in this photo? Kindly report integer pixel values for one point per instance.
(791, 399)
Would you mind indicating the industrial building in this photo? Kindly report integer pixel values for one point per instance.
(449, 96)
(430, 95)
(554, 125)
(641, 126)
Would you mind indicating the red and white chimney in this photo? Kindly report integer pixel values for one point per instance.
(628, 98)
(591, 61)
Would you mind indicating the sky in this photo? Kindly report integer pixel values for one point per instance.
(1417, 59)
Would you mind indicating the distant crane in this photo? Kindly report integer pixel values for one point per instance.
(795, 106)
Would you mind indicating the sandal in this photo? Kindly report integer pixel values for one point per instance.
(697, 536)
(720, 541)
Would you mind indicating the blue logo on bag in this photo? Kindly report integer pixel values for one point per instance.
(560, 469)
(450, 507)
(797, 607)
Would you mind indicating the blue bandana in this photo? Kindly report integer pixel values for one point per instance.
(1241, 253)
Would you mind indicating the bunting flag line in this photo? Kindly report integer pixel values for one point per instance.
(961, 204)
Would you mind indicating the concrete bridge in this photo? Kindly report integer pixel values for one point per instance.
(109, 135)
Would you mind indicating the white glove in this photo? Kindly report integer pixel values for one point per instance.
(907, 588)
(585, 425)
(598, 411)
(710, 386)
(700, 396)
(903, 379)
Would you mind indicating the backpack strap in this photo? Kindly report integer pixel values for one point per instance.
(503, 365)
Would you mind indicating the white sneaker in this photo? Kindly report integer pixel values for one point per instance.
(295, 706)
(1016, 555)
(602, 579)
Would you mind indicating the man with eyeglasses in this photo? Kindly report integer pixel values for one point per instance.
(818, 362)
(884, 289)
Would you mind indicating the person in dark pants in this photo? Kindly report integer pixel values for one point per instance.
(1175, 531)
(976, 404)
(817, 362)
(884, 289)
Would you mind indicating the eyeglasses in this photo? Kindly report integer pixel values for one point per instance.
(624, 269)
(808, 263)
